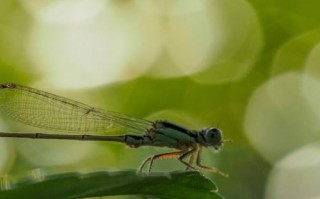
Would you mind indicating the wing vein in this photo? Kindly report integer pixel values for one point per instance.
(45, 110)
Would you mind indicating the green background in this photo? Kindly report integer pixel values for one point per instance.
(249, 66)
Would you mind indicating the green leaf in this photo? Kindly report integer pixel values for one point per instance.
(188, 184)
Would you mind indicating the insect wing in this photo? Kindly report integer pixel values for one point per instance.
(41, 109)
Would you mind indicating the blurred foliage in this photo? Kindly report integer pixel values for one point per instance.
(257, 41)
(75, 185)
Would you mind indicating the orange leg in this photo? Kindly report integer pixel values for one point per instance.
(190, 160)
(185, 155)
(178, 154)
(210, 169)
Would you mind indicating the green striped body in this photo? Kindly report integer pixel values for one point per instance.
(164, 134)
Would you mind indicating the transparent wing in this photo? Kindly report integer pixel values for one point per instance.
(49, 111)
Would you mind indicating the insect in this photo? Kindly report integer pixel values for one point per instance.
(78, 121)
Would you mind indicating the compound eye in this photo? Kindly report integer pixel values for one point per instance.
(215, 136)
(213, 132)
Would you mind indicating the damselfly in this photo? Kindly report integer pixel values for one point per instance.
(78, 121)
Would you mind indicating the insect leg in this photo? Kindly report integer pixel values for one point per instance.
(185, 155)
(206, 168)
(191, 160)
(159, 157)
